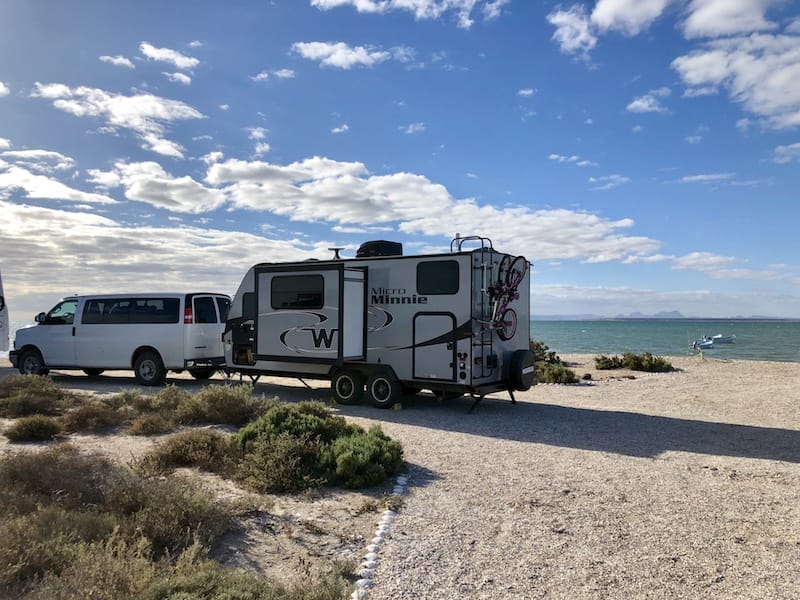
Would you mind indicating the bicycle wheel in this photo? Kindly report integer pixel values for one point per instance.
(516, 271)
(507, 326)
(502, 270)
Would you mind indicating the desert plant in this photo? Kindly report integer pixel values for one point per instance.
(233, 405)
(23, 395)
(636, 362)
(93, 416)
(150, 424)
(555, 373)
(281, 463)
(363, 458)
(35, 428)
(604, 362)
(202, 448)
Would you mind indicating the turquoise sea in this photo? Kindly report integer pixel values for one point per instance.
(756, 339)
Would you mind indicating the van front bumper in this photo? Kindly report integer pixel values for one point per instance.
(13, 358)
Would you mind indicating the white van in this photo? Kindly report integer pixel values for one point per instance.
(3, 320)
(149, 333)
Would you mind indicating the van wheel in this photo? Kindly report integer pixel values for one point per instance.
(347, 387)
(149, 369)
(201, 374)
(384, 390)
(92, 372)
(31, 363)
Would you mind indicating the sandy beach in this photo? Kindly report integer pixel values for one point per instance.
(678, 485)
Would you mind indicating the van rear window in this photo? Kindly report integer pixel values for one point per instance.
(106, 311)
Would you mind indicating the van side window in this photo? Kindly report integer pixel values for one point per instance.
(437, 277)
(297, 291)
(62, 313)
(204, 311)
(107, 311)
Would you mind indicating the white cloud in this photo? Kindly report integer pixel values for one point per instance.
(15, 178)
(627, 16)
(702, 261)
(422, 9)
(195, 44)
(178, 78)
(714, 18)
(262, 76)
(586, 163)
(143, 114)
(173, 57)
(118, 61)
(257, 133)
(608, 182)
(526, 92)
(341, 128)
(4, 91)
(649, 102)
(786, 154)
(284, 73)
(706, 178)
(761, 71)
(148, 182)
(693, 139)
(562, 158)
(261, 148)
(341, 55)
(42, 161)
(413, 128)
(5, 143)
(573, 30)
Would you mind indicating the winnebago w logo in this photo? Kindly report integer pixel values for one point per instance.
(303, 339)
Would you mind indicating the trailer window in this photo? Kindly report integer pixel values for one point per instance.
(437, 277)
(249, 305)
(298, 291)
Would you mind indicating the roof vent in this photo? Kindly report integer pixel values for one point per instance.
(379, 248)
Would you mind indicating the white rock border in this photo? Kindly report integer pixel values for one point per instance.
(370, 561)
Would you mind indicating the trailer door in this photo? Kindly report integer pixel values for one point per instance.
(435, 346)
(354, 314)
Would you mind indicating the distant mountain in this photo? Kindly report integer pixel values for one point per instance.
(672, 314)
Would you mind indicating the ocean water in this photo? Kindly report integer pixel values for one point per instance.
(776, 340)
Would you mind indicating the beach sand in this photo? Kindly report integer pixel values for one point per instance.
(676, 485)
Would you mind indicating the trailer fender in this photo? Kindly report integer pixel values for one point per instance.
(521, 370)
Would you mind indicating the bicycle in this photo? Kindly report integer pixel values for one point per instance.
(503, 292)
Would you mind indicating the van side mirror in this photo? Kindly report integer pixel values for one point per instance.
(41, 317)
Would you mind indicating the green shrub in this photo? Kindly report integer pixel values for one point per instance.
(233, 405)
(554, 373)
(636, 362)
(23, 395)
(604, 362)
(35, 428)
(541, 353)
(202, 448)
(311, 420)
(282, 463)
(363, 459)
(151, 424)
(91, 416)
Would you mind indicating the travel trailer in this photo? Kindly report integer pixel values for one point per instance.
(384, 324)
(149, 333)
(3, 319)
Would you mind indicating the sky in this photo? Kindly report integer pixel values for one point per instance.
(642, 154)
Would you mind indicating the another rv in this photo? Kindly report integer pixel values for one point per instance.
(384, 324)
(149, 333)
(3, 319)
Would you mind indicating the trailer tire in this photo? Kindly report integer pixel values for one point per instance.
(521, 371)
(347, 387)
(384, 390)
(149, 369)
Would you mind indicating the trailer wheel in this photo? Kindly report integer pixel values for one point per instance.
(31, 363)
(521, 372)
(384, 390)
(149, 369)
(347, 387)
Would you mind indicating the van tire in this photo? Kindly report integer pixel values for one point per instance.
(347, 387)
(202, 374)
(31, 363)
(384, 390)
(149, 369)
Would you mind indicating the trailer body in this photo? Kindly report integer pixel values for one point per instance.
(391, 322)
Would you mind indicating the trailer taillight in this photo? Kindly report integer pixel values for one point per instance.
(188, 319)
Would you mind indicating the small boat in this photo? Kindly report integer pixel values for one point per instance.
(723, 339)
(704, 343)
